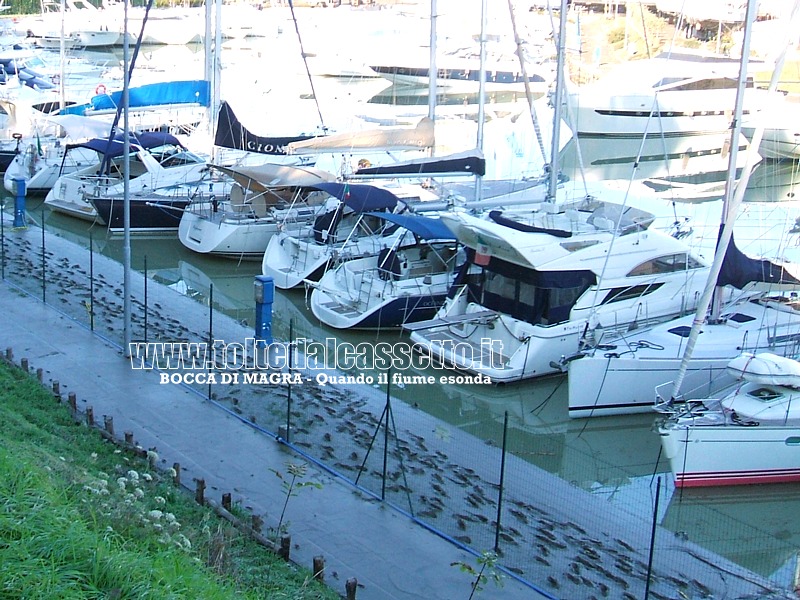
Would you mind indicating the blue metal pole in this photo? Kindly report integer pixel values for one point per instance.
(19, 202)
(264, 291)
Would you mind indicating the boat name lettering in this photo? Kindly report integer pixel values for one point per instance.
(262, 148)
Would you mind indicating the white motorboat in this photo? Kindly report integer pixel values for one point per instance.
(401, 284)
(532, 288)
(263, 200)
(156, 160)
(463, 75)
(749, 435)
(671, 94)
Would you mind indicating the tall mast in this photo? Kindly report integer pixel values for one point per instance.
(558, 101)
(432, 70)
(729, 208)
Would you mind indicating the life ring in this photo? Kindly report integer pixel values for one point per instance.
(100, 89)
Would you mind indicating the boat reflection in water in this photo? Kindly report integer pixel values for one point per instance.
(719, 519)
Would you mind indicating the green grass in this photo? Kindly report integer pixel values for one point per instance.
(80, 518)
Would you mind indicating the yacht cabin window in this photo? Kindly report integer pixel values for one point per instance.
(670, 263)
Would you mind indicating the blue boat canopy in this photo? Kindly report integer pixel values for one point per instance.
(153, 94)
(116, 147)
(360, 198)
(425, 227)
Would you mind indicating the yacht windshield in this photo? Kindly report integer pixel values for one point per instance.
(537, 297)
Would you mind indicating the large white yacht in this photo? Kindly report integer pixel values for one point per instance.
(671, 94)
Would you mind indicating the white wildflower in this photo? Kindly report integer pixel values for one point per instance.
(183, 542)
(132, 475)
(172, 473)
(155, 514)
(121, 482)
(138, 492)
(159, 500)
(169, 517)
(157, 527)
(147, 477)
(152, 457)
(93, 455)
(102, 475)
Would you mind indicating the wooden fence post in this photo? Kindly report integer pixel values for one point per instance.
(319, 568)
(199, 494)
(350, 587)
(285, 547)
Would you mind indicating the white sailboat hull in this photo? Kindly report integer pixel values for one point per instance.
(621, 377)
(233, 235)
(222, 237)
(732, 454)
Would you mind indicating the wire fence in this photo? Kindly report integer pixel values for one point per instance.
(569, 514)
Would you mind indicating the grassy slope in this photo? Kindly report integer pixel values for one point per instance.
(81, 519)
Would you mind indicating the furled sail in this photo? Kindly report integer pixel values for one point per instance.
(739, 270)
(416, 138)
(470, 162)
(232, 134)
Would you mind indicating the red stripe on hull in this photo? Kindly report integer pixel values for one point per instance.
(714, 479)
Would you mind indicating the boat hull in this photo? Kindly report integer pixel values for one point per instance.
(393, 313)
(219, 236)
(706, 456)
(621, 377)
(146, 214)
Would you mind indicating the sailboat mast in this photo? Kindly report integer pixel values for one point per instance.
(730, 205)
(481, 97)
(558, 100)
(126, 177)
(62, 52)
(432, 70)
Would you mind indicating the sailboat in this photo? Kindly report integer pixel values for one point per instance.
(262, 201)
(347, 228)
(403, 283)
(619, 376)
(749, 435)
(752, 433)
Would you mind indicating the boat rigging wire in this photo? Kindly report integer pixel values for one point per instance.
(305, 64)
